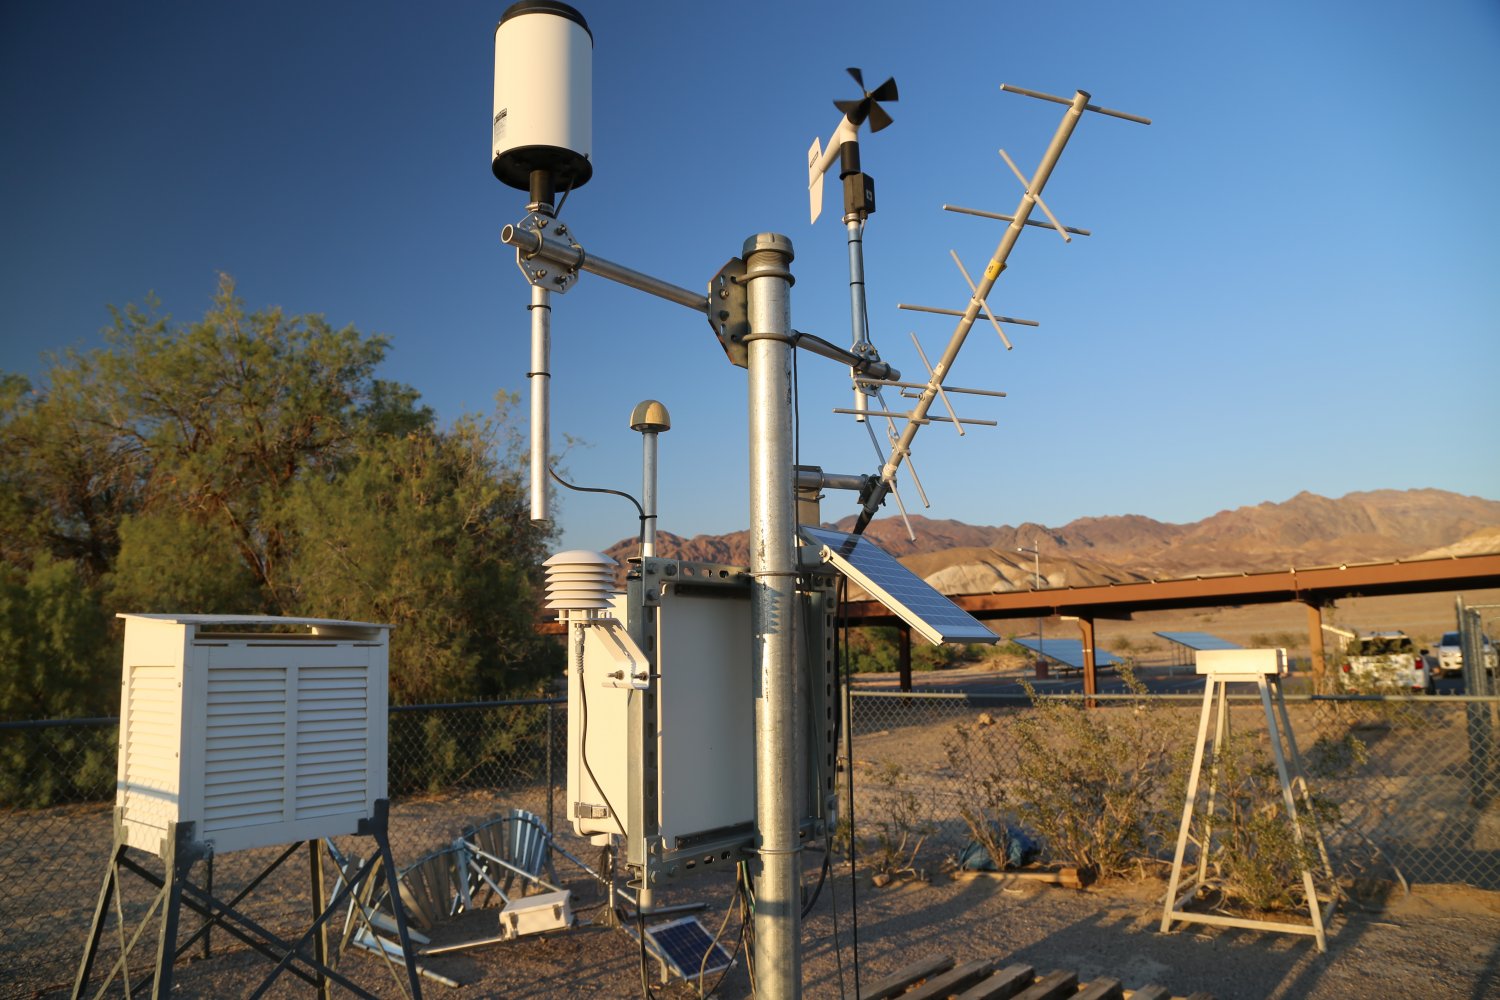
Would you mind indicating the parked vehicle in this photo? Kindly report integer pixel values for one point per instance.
(1451, 655)
(1387, 660)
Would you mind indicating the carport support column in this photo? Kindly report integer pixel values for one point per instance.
(1090, 674)
(903, 655)
(773, 570)
(1315, 643)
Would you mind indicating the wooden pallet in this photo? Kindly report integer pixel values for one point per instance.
(1068, 876)
(938, 978)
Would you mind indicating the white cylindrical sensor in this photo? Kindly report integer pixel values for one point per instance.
(544, 80)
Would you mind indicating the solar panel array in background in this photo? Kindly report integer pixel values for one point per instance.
(1199, 640)
(1068, 652)
(898, 588)
(683, 943)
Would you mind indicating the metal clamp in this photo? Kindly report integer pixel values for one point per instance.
(540, 272)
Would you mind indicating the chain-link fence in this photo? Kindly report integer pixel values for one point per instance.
(1412, 785)
(1415, 783)
(449, 766)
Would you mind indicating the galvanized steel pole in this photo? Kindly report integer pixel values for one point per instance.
(858, 317)
(541, 387)
(773, 567)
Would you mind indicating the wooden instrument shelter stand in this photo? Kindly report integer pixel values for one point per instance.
(1263, 668)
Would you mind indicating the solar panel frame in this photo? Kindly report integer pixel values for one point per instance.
(1068, 652)
(682, 943)
(1199, 641)
(914, 600)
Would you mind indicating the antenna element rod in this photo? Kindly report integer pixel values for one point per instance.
(959, 312)
(1010, 218)
(1012, 88)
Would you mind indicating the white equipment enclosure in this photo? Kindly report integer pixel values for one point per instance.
(258, 737)
(544, 81)
(661, 717)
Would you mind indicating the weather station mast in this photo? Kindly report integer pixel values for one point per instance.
(706, 732)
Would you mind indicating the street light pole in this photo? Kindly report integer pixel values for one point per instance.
(1036, 570)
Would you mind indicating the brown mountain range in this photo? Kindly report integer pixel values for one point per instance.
(1307, 530)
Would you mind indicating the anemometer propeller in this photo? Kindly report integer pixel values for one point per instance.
(856, 113)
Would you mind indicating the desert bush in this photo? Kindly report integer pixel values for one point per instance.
(976, 755)
(877, 650)
(1100, 787)
(900, 823)
(1256, 855)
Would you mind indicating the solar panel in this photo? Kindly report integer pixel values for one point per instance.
(1068, 652)
(913, 599)
(1199, 640)
(683, 943)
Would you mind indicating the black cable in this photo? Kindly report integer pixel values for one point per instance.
(583, 742)
(599, 489)
(732, 957)
(640, 926)
(818, 889)
(796, 418)
(557, 212)
(583, 755)
(838, 947)
(849, 778)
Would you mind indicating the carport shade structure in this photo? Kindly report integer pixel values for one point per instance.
(1314, 588)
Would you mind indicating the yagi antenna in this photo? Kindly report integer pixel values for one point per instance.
(1031, 197)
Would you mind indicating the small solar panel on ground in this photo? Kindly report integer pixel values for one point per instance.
(913, 599)
(1068, 652)
(683, 943)
(1199, 640)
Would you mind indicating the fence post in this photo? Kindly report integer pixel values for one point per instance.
(1479, 717)
(551, 786)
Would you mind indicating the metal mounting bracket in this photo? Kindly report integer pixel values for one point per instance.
(539, 271)
(729, 311)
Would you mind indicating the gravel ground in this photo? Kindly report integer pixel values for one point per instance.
(1438, 942)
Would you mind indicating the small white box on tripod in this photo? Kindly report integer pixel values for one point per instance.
(1242, 661)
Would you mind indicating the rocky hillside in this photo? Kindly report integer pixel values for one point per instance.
(1307, 530)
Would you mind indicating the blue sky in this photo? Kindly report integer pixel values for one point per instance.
(1291, 283)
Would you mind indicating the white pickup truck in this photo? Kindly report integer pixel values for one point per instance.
(1451, 654)
(1386, 660)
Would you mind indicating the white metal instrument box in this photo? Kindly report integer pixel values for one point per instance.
(260, 730)
(1270, 662)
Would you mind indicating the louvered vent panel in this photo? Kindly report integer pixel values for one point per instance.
(151, 746)
(333, 720)
(244, 760)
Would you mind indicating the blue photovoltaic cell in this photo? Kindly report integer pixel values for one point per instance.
(1199, 640)
(1068, 652)
(898, 588)
(683, 943)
